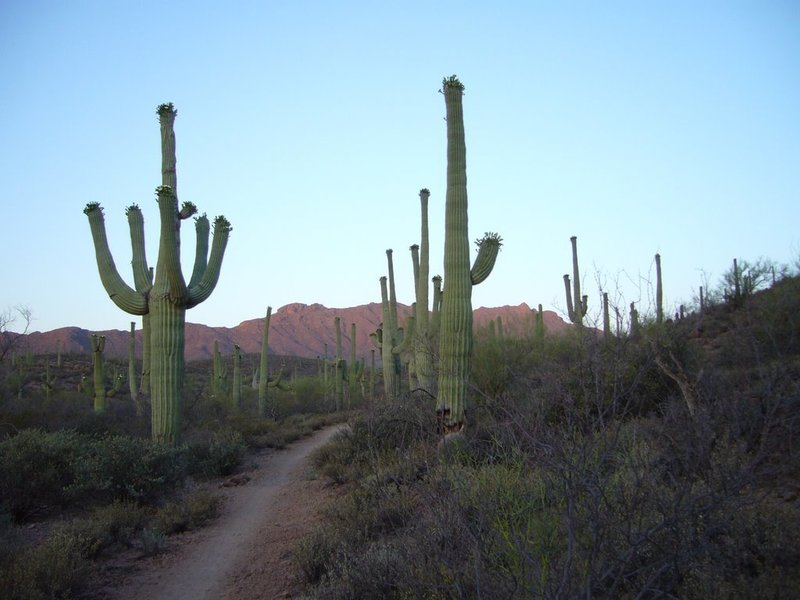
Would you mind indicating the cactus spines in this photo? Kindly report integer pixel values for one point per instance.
(169, 298)
(455, 343)
(98, 373)
(576, 304)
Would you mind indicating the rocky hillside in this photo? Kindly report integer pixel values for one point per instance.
(295, 330)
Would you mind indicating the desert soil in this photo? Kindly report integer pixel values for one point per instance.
(247, 552)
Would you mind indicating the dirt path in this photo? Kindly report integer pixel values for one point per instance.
(247, 551)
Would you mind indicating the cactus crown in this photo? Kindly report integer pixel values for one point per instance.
(91, 207)
(489, 237)
(452, 82)
(132, 207)
(166, 108)
(222, 223)
(425, 191)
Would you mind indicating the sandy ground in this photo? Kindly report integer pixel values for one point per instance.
(247, 552)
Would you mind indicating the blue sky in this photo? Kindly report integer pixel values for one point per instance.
(639, 127)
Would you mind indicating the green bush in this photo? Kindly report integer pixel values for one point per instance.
(36, 467)
(188, 513)
(58, 568)
(215, 454)
(124, 468)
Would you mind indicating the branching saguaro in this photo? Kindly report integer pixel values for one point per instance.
(577, 305)
(170, 297)
(455, 344)
(390, 339)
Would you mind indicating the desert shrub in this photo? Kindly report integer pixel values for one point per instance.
(36, 467)
(215, 454)
(188, 513)
(58, 568)
(115, 524)
(123, 468)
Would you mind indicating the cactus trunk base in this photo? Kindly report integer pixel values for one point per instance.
(166, 377)
(445, 426)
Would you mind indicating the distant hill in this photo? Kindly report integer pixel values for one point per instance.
(295, 330)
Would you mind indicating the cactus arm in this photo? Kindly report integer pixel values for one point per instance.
(142, 274)
(202, 290)
(121, 294)
(392, 293)
(568, 290)
(405, 336)
(415, 264)
(202, 229)
(377, 337)
(423, 273)
(488, 249)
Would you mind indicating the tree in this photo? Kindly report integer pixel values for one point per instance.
(11, 340)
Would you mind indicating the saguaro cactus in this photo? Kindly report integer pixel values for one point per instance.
(265, 407)
(390, 339)
(424, 340)
(659, 292)
(219, 374)
(538, 326)
(236, 391)
(576, 304)
(606, 317)
(355, 370)
(170, 297)
(98, 373)
(455, 345)
(340, 366)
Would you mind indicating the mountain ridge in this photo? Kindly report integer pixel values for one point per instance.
(296, 329)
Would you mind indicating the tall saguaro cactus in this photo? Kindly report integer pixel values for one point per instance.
(390, 339)
(424, 337)
(170, 297)
(265, 406)
(576, 304)
(340, 366)
(455, 345)
(98, 373)
(659, 292)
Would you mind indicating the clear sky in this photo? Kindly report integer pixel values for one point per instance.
(639, 127)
